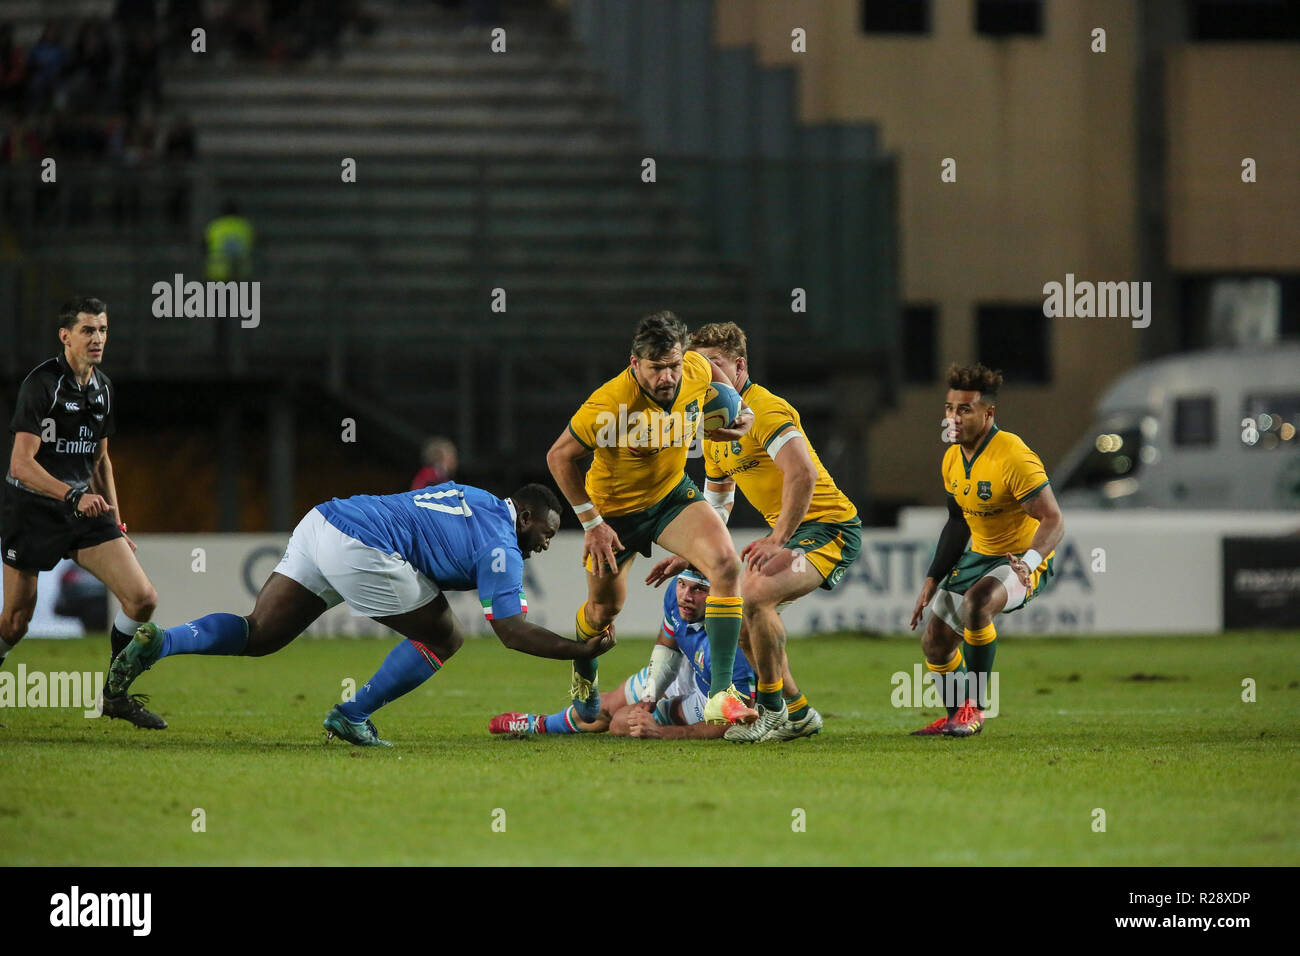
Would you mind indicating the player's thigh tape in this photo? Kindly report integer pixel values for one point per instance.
(635, 685)
(946, 606)
(1008, 579)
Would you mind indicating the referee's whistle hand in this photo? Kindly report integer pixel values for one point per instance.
(92, 506)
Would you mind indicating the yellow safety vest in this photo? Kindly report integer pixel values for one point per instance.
(230, 248)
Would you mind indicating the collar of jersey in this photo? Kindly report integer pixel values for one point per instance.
(748, 382)
(984, 444)
(672, 401)
(66, 369)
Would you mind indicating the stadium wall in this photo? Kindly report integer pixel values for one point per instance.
(1116, 574)
(1044, 132)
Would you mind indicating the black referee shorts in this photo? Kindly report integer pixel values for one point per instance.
(36, 532)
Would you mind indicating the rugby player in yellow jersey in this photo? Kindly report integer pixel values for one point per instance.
(637, 428)
(816, 532)
(999, 498)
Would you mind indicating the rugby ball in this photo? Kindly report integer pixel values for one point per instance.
(721, 406)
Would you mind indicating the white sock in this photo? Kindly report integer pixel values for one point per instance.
(125, 624)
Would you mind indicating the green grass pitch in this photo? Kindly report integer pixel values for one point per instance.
(1185, 771)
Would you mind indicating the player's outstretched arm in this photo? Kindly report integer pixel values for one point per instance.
(641, 724)
(666, 570)
(518, 635)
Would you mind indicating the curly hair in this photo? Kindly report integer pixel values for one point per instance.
(975, 378)
(727, 336)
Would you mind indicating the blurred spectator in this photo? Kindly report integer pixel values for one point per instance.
(141, 80)
(26, 141)
(228, 245)
(90, 73)
(281, 30)
(183, 16)
(22, 141)
(478, 13)
(46, 62)
(246, 20)
(439, 463)
(132, 14)
(179, 148)
(137, 153)
(13, 69)
(181, 142)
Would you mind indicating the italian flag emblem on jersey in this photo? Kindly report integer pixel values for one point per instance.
(487, 606)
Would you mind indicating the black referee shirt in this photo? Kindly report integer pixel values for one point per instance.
(81, 416)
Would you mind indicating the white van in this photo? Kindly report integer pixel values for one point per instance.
(1202, 430)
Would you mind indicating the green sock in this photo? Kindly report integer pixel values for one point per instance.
(585, 669)
(951, 685)
(798, 706)
(769, 695)
(979, 660)
(722, 625)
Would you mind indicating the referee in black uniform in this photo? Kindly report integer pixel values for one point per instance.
(59, 496)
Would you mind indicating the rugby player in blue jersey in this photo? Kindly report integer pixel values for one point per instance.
(389, 557)
(666, 698)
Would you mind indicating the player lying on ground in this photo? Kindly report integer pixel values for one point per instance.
(816, 532)
(389, 557)
(60, 499)
(1000, 500)
(666, 698)
(637, 428)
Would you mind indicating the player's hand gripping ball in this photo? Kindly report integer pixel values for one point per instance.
(721, 406)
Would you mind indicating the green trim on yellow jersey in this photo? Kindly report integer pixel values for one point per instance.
(984, 444)
(754, 471)
(778, 433)
(579, 440)
(1035, 491)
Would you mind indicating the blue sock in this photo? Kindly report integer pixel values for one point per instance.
(561, 723)
(213, 634)
(588, 709)
(407, 666)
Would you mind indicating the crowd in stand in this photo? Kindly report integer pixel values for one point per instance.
(93, 89)
(87, 90)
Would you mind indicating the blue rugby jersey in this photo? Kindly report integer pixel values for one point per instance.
(460, 537)
(693, 642)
